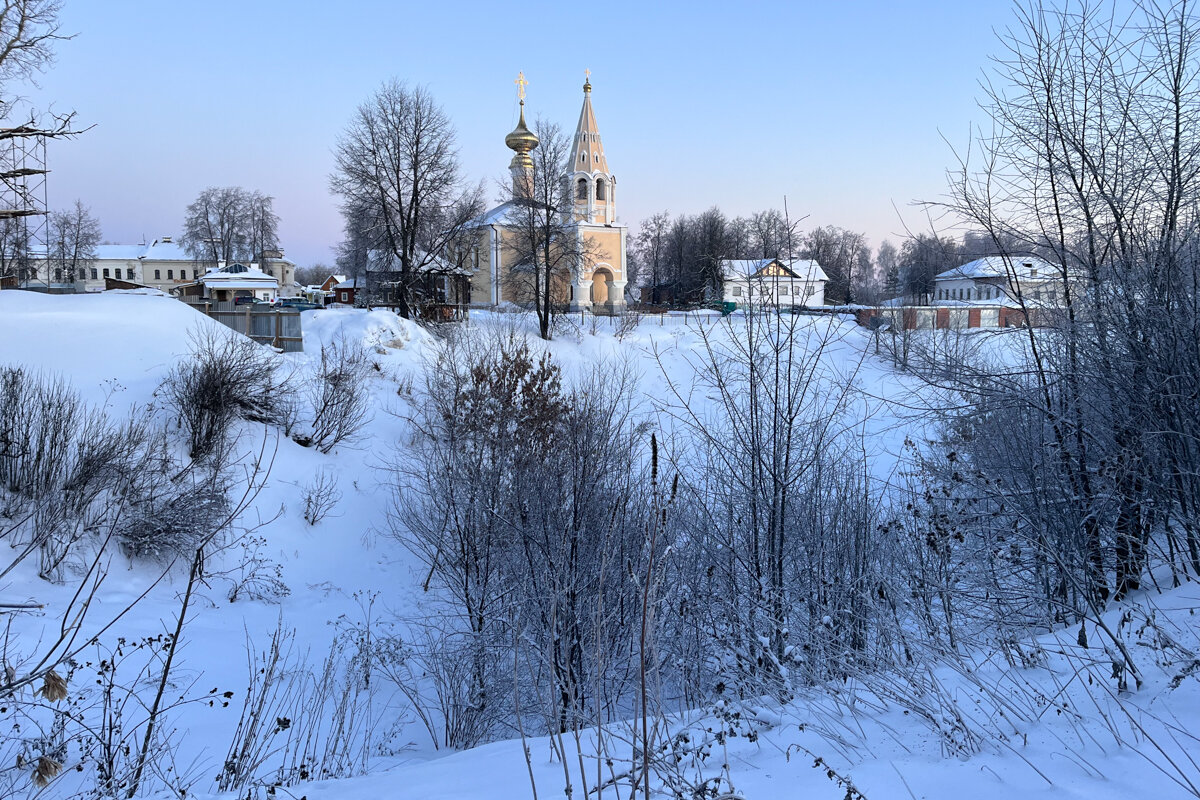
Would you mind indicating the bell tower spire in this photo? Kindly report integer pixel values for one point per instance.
(594, 187)
(521, 141)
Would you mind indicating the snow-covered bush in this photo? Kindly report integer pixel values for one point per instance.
(67, 468)
(170, 519)
(320, 497)
(526, 500)
(39, 417)
(227, 377)
(340, 393)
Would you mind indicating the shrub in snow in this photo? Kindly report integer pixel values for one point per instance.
(66, 469)
(171, 519)
(256, 577)
(226, 378)
(39, 417)
(340, 394)
(526, 501)
(320, 497)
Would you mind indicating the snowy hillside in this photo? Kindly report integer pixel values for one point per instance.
(1038, 716)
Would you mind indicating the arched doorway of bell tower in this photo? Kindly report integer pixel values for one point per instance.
(602, 287)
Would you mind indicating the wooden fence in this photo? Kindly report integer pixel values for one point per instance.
(277, 327)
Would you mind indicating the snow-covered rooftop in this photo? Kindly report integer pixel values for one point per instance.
(120, 252)
(242, 279)
(1022, 267)
(496, 216)
(741, 268)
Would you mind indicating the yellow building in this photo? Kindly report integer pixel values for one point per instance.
(596, 280)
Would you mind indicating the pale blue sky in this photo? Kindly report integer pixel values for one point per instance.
(839, 106)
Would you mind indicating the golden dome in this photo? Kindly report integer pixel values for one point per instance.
(522, 140)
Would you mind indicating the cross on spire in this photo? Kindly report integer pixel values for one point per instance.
(521, 84)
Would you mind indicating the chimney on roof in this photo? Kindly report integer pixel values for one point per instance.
(165, 240)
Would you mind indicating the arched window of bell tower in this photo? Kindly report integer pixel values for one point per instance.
(600, 192)
(581, 189)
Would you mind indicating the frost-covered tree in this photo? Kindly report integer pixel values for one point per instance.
(229, 224)
(73, 237)
(397, 165)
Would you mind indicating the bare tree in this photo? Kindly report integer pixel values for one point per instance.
(74, 234)
(397, 163)
(680, 253)
(28, 31)
(361, 231)
(843, 255)
(739, 238)
(772, 233)
(1091, 163)
(262, 225)
(314, 274)
(230, 224)
(15, 258)
(712, 246)
(887, 262)
(652, 245)
(922, 257)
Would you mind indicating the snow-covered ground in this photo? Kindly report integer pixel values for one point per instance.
(1053, 729)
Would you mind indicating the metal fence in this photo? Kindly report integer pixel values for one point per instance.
(277, 327)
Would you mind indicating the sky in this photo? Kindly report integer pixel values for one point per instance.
(852, 111)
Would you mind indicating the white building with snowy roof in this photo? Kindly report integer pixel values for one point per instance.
(162, 264)
(773, 282)
(230, 282)
(1000, 280)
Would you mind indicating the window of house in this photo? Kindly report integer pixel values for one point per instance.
(737, 291)
(581, 192)
(784, 289)
(170, 275)
(58, 274)
(158, 275)
(106, 272)
(345, 297)
(600, 190)
(128, 274)
(93, 273)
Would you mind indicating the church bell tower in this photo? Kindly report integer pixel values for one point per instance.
(600, 280)
(593, 187)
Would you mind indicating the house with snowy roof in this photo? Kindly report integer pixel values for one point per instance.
(772, 282)
(162, 264)
(344, 291)
(228, 283)
(1000, 280)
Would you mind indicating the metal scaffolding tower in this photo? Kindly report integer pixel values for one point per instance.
(23, 206)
